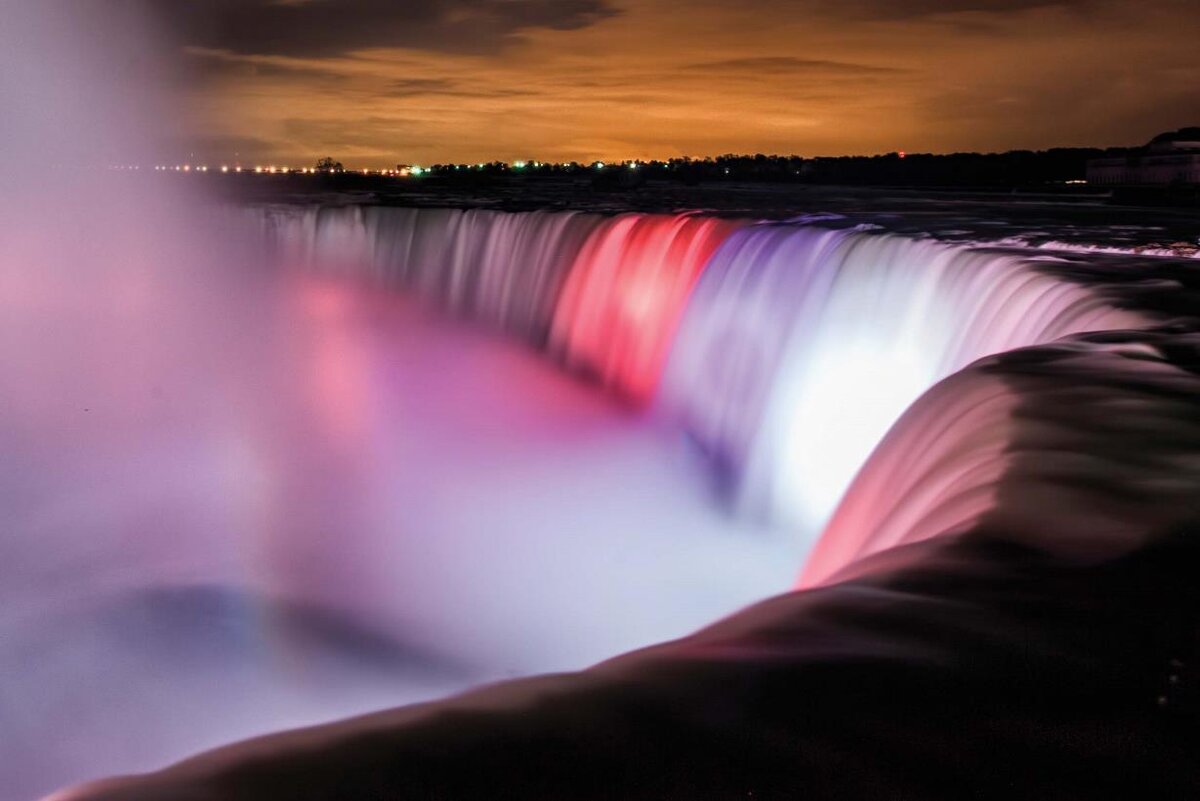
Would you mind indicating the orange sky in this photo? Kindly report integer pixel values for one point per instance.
(657, 79)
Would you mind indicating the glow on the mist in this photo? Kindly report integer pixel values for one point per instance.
(626, 292)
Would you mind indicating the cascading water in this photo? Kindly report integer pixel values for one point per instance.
(785, 350)
(1086, 449)
(626, 292)
(802, 346)
(505, 270)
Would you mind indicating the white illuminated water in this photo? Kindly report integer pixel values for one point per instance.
(802, 346)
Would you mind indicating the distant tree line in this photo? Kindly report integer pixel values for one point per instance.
(1024, 168)
(1013, 168)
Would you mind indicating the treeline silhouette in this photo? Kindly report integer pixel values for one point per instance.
(1013, 168)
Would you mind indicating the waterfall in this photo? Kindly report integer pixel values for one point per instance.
(785, 350)
(1085, 448)
(802, 346)
(625, 295)
(505, 270)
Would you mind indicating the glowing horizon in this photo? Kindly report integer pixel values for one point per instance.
(617, 80)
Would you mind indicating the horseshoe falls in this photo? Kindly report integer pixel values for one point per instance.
(501, 444)
(370, 455)
(782, 351)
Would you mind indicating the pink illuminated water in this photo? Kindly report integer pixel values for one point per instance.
(626, 292)
(194, 483)
(1085, 450)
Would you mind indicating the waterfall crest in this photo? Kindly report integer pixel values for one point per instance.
(1085, 449)
(504, 270)
(803, 345)
(627, 291)
(786, 351)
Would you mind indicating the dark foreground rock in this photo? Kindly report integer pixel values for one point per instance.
(980, 669)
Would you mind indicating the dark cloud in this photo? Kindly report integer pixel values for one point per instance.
(913, 9)
(415, 87)
(784, 65)
(203, 65)
(323, 28)
(420, 87)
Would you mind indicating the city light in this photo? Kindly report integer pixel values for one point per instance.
(406, 171)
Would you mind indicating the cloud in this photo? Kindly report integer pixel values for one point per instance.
(422, 87)
(786, 65)
(325, 28)
(891, 10)
(201, 64)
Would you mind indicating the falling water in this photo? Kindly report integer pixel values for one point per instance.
(626, 292)
(785, 351)
(1085, 449)
(802, 346)
(505, 270)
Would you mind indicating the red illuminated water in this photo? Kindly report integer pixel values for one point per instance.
(626, 293)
